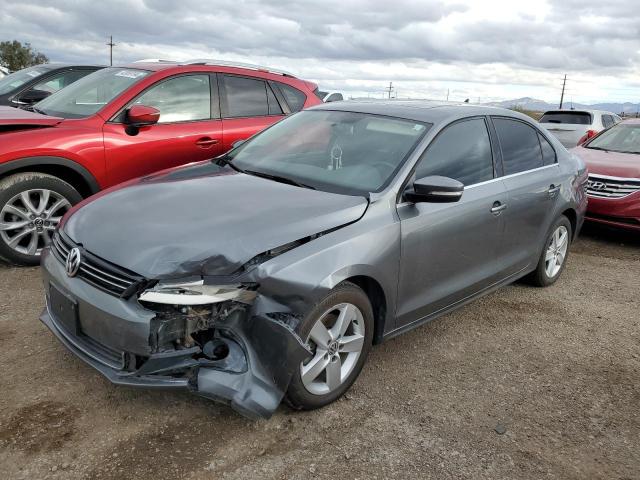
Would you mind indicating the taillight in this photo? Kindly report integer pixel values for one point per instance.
(587, 136)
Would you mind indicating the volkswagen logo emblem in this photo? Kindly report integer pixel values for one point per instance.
(598, 186)
(73, 262)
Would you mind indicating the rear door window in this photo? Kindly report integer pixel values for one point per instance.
(247, 97)
(571, 118)
(520, 146)
(461, 151)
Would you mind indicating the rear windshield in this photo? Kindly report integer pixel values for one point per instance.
(572, 118)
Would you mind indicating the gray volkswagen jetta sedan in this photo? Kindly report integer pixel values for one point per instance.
(269, 272)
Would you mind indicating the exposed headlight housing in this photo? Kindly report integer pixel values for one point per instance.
(196, 293)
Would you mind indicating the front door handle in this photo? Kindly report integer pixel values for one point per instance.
(498, 207)
(206, 142)
(553, 190)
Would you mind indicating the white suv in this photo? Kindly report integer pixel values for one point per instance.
(570, 126)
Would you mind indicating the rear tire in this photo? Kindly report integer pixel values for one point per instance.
(554, 254)
(31, 206)
(336, 362)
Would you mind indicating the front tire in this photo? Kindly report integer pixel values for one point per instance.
(31, 206)
(339, 330)
(554, 254)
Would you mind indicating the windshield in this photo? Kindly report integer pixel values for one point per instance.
(89, 94)
(337, 151)
(620, 138)
(18, 79)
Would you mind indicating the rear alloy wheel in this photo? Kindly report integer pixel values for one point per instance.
(339, 331)
(31, 206)
(554, 254)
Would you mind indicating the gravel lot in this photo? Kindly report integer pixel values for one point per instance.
(524, 383)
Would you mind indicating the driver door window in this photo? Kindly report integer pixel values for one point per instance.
(462, 151)
(180, 99)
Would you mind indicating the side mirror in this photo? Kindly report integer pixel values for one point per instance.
(141, 116)
(31, 97)
(435, 189)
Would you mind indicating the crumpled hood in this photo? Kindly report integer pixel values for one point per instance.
(203, 219)
(614, 164)
(10, 116)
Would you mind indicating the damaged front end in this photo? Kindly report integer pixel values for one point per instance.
(210, 339)
(238, 356)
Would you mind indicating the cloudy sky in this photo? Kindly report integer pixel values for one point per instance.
(488, 50)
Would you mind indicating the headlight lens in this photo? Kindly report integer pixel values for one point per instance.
(196, 293)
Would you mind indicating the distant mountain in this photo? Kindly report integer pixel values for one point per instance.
(528, 103)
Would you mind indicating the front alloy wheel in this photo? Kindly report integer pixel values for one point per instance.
(336, 339)
(31, 206)
(28, 219)
(339, 332)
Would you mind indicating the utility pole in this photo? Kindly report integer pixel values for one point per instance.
(111, 45)
(390, 89)
(447, 94)
(564, 83)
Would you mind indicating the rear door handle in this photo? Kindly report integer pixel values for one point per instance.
(206, 142)
(498, 208)
(553, 190)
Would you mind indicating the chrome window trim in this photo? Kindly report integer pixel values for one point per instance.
(609, 177)
(512, 175)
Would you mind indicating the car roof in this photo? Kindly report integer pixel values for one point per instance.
(55, 66)
(428, 111)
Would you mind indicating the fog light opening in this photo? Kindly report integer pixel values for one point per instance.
(216, 349)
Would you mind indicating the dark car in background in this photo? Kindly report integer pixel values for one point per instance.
(269, 272)
(613, 160)
(123, 122)
(27, 87)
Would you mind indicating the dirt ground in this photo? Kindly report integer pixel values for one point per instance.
(524, 383)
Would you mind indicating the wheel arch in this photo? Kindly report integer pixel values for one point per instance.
(68, 170)
(572, 216)
(378, 300)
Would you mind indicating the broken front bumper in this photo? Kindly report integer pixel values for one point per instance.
(263, 352)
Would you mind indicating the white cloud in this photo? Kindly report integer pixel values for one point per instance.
(490, 49)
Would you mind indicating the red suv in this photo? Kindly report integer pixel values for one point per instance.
(123, 122)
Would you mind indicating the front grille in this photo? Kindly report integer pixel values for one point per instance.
(99, 273)
(611, 187)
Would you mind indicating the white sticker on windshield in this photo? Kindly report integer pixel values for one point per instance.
(129, 74)
(418, 128)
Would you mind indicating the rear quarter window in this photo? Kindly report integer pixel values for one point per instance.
(572, 118)
(294, 97)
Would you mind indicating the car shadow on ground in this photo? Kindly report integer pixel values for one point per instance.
(609, 235)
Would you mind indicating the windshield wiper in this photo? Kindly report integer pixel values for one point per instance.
(37, 110)
(223, 160)
(598, 148)
(279, 178)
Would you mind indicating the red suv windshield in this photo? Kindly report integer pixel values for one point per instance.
(89, 94)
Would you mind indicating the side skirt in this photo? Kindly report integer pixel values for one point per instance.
(454, 306)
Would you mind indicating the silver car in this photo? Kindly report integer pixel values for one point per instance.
(269, 272)
(573, 126)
